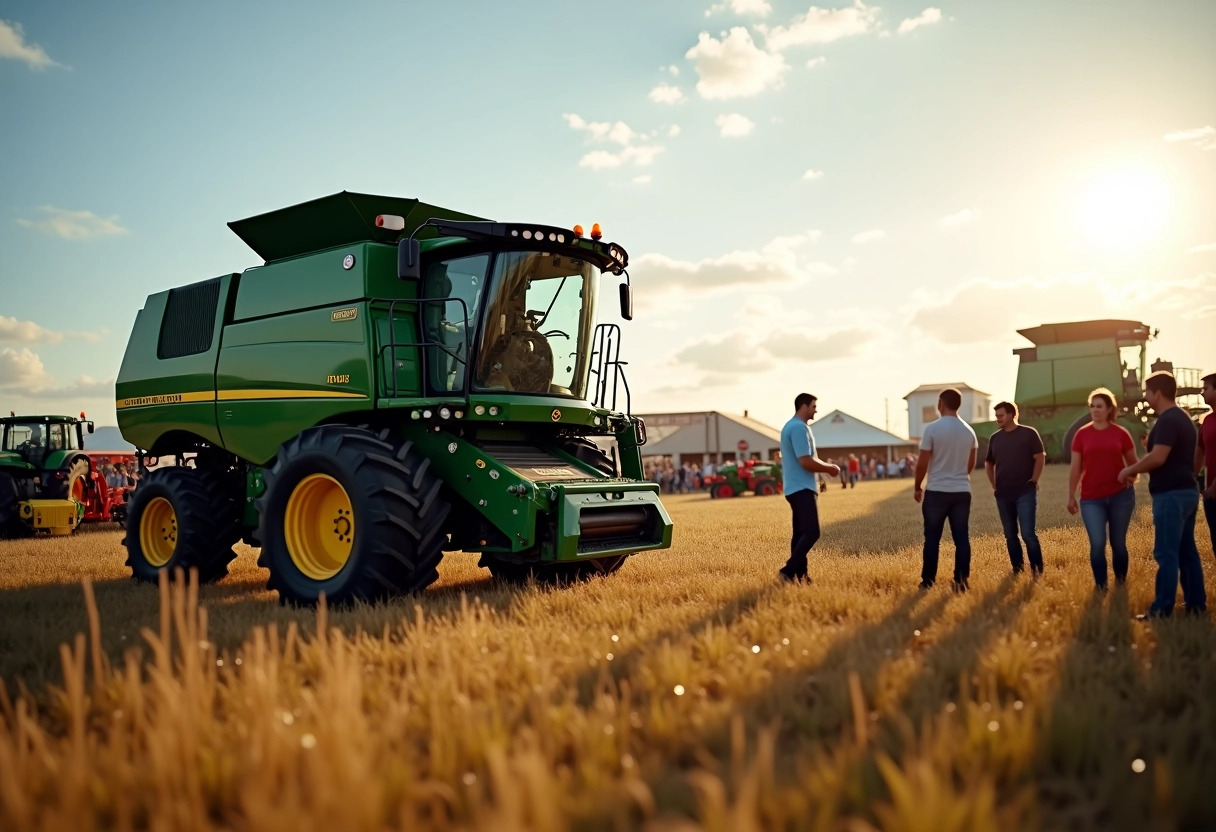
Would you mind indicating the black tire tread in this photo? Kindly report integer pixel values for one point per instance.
(400, 525)
(207, 524)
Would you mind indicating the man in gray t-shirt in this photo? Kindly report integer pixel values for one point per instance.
(947, 456)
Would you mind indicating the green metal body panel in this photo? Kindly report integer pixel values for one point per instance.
(306, 340)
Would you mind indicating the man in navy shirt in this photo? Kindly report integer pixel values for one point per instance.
(1171, 483)
(799, 465)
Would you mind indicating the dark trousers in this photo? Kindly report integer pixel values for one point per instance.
(1175, 551)
(937, 507)
(1209, 511)
(805, 505)
(1015, 512)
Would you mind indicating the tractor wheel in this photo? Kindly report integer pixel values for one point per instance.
(11, 524)
(351, 514)
(766, 488)
(554, 573)
(73, 484)
(180, 518)
(1066, 448)
(724, 491)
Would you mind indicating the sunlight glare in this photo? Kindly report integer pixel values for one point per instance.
(1125, 209)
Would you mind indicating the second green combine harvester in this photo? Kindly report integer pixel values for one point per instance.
(397, 380)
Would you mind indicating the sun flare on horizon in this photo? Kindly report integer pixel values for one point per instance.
(1124, 209)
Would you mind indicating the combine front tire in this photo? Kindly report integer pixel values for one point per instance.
(180, 517)
(351, 514)
(11, 524)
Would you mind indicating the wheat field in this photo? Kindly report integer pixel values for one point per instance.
(690, 691)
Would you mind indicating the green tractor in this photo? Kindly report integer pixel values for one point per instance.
(398, 380)
(1069, 360)
(43, 474)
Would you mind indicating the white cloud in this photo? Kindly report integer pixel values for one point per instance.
(734, 125)
(673, 130)
(22, 369)
(810, 175)
(734, 67)
(617, 132)
(959, 218)
(666, 94)
(613, 132)
(759, 8)
(644, 179)
(873, 235)
(639, 155)
(776, 263)
(744, 351)
(926, 18)
(13, 45)
(73, 225)
(1202, 137)
(1201, 249)
(674, 70)
(822, 26)
(814, 62)
(27, 332)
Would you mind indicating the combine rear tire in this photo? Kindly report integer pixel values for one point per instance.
(351, 514)
(180, 518)
(554, 573)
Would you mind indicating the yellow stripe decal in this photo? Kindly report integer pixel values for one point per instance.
(230, 395)
(168, 398)
(234, 395)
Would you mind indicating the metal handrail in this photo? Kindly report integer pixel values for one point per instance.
(393, 346)
(605, 354)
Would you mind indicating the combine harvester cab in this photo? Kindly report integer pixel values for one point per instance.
(397, 380)
(44, 474)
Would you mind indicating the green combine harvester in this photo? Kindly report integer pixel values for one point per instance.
(398, 380)
(1069, 360)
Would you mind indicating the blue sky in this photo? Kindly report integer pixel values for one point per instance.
(848, 199)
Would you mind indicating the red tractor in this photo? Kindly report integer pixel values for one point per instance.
(102, 502)
(761, 478)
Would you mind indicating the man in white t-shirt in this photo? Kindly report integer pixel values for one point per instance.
(947, 455)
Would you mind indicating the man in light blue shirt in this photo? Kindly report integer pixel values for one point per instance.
(799, 466)
(947, 455)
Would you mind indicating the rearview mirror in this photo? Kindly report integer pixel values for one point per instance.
(627, 301)
(409, 259)
(90, 427)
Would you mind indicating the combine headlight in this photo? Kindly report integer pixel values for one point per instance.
(641, 431)
(479, 410)
(444, 413)
(426, 414)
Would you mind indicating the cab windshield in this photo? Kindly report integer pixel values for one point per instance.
(536, 330)
(33, 440)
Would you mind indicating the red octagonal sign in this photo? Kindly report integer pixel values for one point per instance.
(742, 444)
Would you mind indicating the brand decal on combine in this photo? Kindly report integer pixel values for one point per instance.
(551, 472)
(167, 398)
(348, 314)
(342, 379)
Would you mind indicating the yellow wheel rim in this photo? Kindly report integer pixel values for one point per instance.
(319, 527)
(158, 531)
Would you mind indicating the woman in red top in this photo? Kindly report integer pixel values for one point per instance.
(1100, 450)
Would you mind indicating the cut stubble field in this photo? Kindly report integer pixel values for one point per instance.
(688, 691)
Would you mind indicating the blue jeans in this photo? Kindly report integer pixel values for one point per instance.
(1114, 512)
(937, 507)
(1015, 512)
(1175, 551)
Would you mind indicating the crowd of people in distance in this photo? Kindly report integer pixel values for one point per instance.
(688, 477)
(1104, 469)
